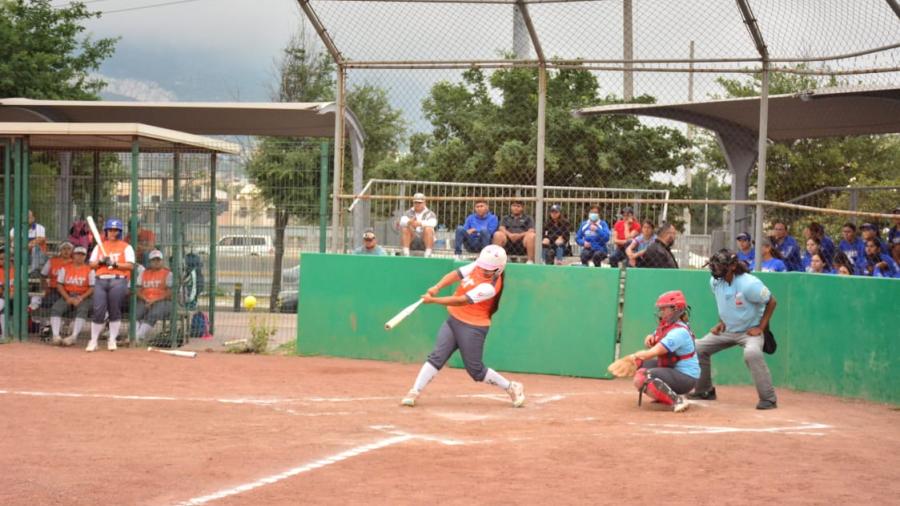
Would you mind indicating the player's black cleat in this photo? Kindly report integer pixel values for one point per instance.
(766, 405)
(703, 396)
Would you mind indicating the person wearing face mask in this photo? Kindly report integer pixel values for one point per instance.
(592, 236)
(745, 307)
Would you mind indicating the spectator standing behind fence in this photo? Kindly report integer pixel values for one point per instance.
(37, 243)
(787, 246)
(477, 231)
(154, 295)
(745, 252)
(745, 306)
(417, 227)
(826, 245)
(370, 245)
(640, 243)
(771, 258)
(592, 236)
(659, 253)
(853, 248)
(878, 264)
(516, 232)
(556, 237)
(75, 284)
(625, 230)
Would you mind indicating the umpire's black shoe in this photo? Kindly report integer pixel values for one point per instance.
(703, 396)
(767, 405)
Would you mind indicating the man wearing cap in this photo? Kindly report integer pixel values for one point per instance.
(745, 251)
(49, 275)
(74, 285)
(417, 227)
(516, 232)
(370, 245)
(556, 237)
(625, 229)
(154, 297)
(787, 246)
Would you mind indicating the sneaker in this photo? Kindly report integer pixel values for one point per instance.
(92, 346)
(681, 404)
(57, 340)
(530, 262)
(410, 399)
(703, 396)
(767, 405)
(457, 257)
(516, 393)
(69, 341)
(111, 344)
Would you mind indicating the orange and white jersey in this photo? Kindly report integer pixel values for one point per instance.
(120, 251)
(481, 291)
(12, 276)
(76, 279)
(154, 282)
(51, 270)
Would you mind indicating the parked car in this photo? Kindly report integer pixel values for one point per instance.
(252, 245)
(290, 290)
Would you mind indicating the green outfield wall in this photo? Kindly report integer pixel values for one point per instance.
(836, 335)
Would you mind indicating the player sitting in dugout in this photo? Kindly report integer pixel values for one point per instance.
(154, 294)
(74, 285)
(669, 367)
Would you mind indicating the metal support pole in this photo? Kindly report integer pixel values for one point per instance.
(627, 50)
(7, 160)
(23, 273)
(761, 163)
(20, 264)
(16, 228)
(323, 195)
(336, 231)
(176, 247)
(213, 227)
(539, 179)
(133, 229)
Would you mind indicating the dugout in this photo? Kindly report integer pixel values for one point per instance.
(160, 182)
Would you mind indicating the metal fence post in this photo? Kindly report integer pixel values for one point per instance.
(213, 227)
(7, 160)
(539, 183)
(133, 225)
(176, 247)
(323, 195)
(336, 233)
(761, 164)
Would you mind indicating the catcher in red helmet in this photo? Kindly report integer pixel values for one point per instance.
(668, 368)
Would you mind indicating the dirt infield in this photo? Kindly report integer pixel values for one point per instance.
(133, 427)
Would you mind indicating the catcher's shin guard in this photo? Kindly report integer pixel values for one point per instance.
(657, 389)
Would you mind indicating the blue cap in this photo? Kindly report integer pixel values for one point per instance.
(113, 223)
(743, 236)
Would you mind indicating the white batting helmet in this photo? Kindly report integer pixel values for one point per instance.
(492, 258)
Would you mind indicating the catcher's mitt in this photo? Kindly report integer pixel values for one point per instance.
(625, 367)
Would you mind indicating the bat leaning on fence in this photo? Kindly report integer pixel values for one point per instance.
(408, 310)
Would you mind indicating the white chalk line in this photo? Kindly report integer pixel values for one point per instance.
(398, 436)
(805, 428)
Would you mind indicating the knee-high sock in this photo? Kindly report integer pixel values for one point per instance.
(55, 324)
(79, 324)
(143, 329)
(96, 328)
(114, 329)
(493, 378)
(426, 374)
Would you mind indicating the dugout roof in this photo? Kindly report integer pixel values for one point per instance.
(829, 112)
(111, 137)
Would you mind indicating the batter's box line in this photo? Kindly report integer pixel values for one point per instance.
(803, 428)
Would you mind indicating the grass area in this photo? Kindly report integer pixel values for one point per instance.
(288, 348)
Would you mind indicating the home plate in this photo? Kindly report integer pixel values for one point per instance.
(459, 416)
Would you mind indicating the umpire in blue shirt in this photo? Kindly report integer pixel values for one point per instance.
(745, 307)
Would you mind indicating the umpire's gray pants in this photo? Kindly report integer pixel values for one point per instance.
(469, 339)
(159, 310)
(753, 357)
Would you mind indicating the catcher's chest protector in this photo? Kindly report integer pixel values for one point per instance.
(671, 359)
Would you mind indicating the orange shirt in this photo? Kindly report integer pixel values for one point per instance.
(12, 279)
(120, 251)
(481, 291)
(76, 279)
(53, 266)
(154, 283)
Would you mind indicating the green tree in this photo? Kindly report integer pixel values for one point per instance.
(44, 53)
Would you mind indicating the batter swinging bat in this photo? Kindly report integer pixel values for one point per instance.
(175, 353)
(393, 322)
(96, 234)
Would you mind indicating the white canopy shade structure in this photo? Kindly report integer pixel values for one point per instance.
(827, 112)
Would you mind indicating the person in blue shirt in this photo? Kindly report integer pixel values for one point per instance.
(477, 231)
(745, 252)
(592, 235)
(870, 231)
(852, 246)
(771, 258)
(787, 246)
(878, 264)
(668, 368)
(745, 307)
(894, 232)
(814, 247)
(370, 245)
(818, 265)
(843, 265)
(817, 231)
